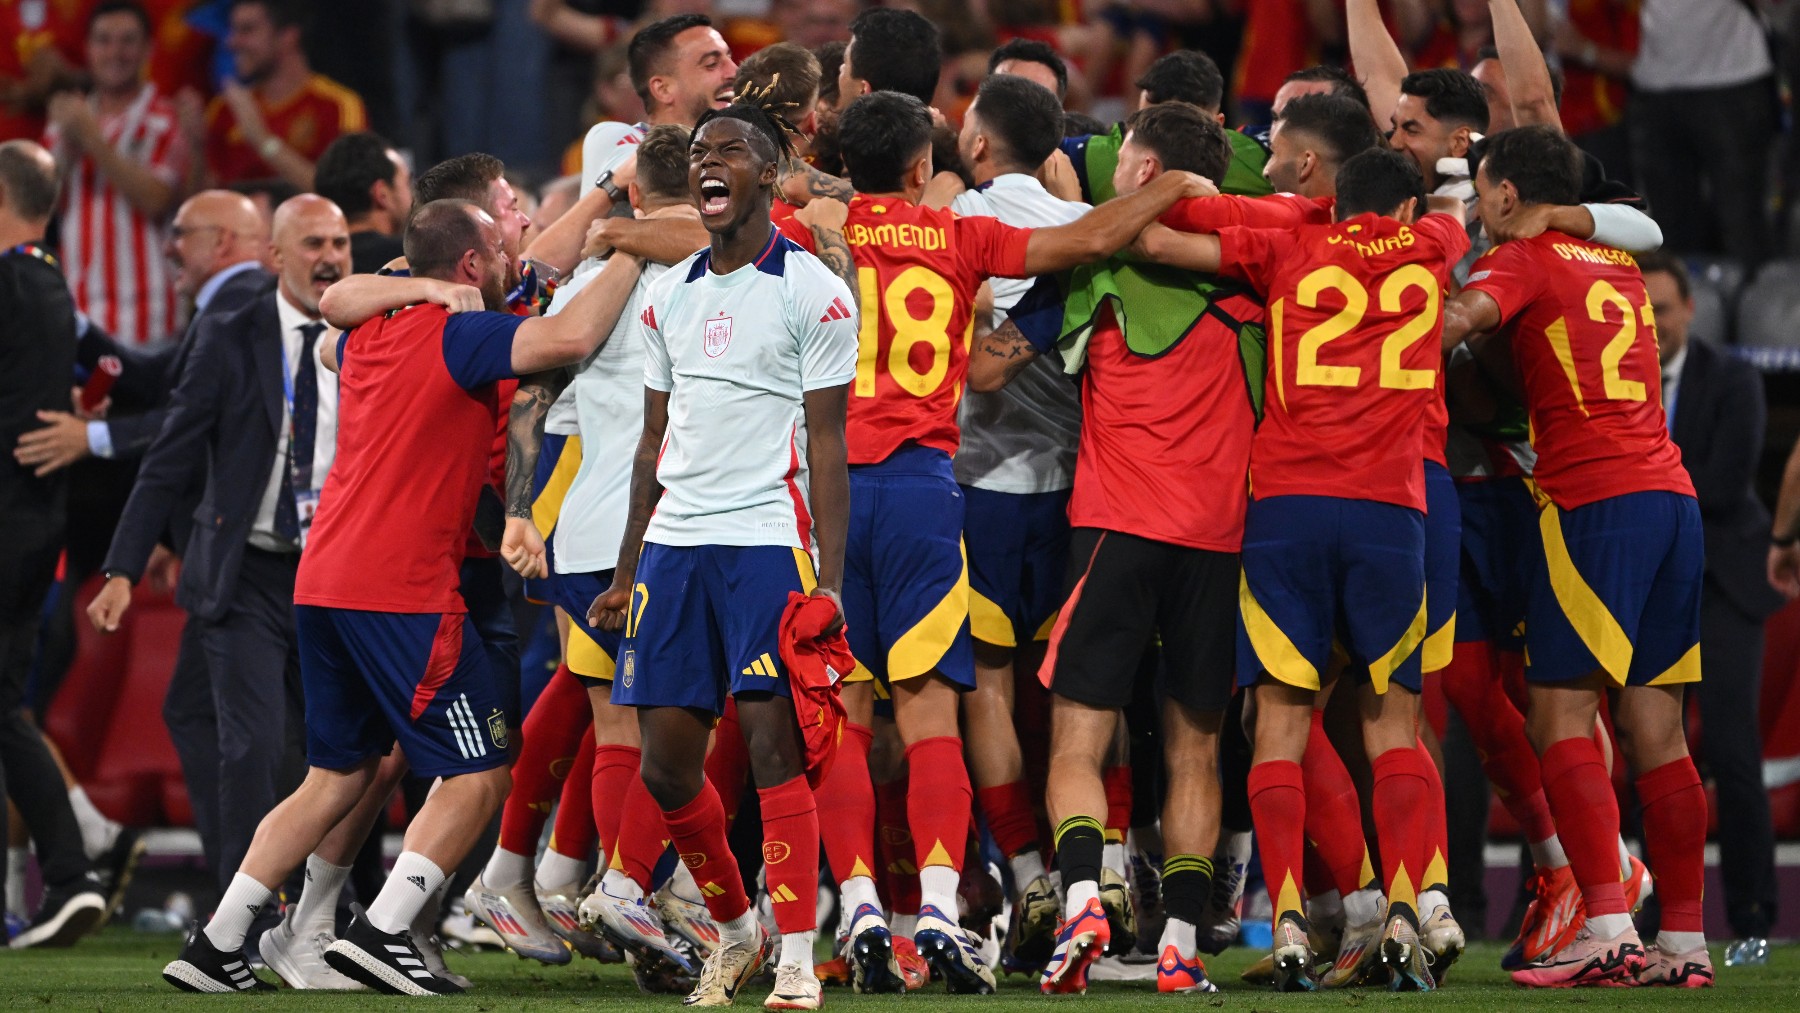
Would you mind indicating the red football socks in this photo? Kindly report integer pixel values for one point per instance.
(1675, 840)
(574, 834)
(1333, 811)
(1008, 810)
(1401, 807)
(938, 801)
(615, 771)
(728, 762)
(899, 876)
(551, 732)
(848, 799)
(641, 836)
(1476, 689)
(1278, 808)
(1436, 873)
(1118, 802)
(1587, 820)
(698, 829)
(791, 854)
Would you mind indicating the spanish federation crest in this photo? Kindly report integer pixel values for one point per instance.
(627, 668)
(718, 336)
(496, 723)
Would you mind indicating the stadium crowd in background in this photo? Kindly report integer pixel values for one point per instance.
(1115, 479)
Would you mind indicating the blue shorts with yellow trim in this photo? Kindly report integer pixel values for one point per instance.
(1443, 558)
(558, 460)
(906, 581)
(705, 621)
(592, 650)
(1500, 549)
(1618, 590)
(372, 679)
(1319, 569)
(1018, 553)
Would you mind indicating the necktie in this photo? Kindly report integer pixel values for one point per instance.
(305, 408)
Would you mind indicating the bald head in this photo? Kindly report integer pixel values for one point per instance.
(213, 230)
(455, 240)
(311, 249)
(27, 182)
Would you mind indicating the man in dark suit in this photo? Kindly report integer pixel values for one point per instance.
(254, 416)
(1716, 416)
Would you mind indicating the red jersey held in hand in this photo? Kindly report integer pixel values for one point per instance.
(1356, 316)
(917, 269)
(1585, 340)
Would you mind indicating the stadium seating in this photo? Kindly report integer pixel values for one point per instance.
(1718, 282)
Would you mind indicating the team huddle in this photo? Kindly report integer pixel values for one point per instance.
(1201, 453)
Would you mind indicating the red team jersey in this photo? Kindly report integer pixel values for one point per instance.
(415, 386)
(307, 121)
(1355, 325)
(1585, 342)
(918, 269)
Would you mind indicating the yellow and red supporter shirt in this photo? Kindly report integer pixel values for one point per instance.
(306, 121)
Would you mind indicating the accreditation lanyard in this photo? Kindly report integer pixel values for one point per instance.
(306, 498)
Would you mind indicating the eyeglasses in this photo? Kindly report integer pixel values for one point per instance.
(180, 232)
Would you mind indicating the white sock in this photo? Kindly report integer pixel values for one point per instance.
(1548, 853)
(1608, 926)
(1431, 900)
(1179, 934)
(318, 899)
(557, 870)
(797, 949)
(1624, 859)
(1026, 866)
(17, 859)
(741, 929)
(1326, 907)
(97, 832)
(857, 891)
(243, 900)
(1112, 856)
(1674, 943)
(506, 869)
(1078, 896)
(425, 923)
(1363, 906)
(616, 883)
(414, 879)
(937, 888)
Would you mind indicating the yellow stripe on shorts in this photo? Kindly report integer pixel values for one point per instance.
(1382, 669)
(547, 508)
(1274, 651)
(918, 650)
(1440, 647)
(988, 622)
(586, 657)
(1593, 622)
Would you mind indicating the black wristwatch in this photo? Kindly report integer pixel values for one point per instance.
(605, 183)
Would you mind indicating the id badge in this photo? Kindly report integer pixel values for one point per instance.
(306, 503)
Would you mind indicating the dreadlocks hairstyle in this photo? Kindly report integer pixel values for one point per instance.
(756, 107)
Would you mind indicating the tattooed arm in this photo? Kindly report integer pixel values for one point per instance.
(800, 183)
(998, 357)
(523, 544)
(609, 610)
(825, 217)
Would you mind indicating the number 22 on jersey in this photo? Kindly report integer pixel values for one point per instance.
(1309, 371)
(919, 305)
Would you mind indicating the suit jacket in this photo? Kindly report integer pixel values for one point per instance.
(223, 426)
(1719, 420)
(152, 373)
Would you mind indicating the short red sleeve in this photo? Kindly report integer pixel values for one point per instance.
(1509, 276)
(1279, 211)
(790, 227)
(990, 248)
(1449, 234)
(1254, 255)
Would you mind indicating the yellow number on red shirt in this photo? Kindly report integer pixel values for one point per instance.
(932, 330)
(1308, 371)
(1602, 296)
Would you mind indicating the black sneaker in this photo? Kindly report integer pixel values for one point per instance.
(386, 962)
(203, 967)
(68, 913)
(116, 865)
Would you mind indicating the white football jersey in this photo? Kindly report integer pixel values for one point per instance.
(1021, 438)
(606, 401)
(737, 354)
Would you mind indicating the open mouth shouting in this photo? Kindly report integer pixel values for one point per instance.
(715, 195)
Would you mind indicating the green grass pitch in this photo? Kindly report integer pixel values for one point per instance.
(120, 970)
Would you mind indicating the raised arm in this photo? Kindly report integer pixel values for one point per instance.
(561, 244)
(608, 611)
(1190, 251)
(665, 240)
(1379, 62)
(1527, 75)
(828, 478)
(1110, 227)
(574, 332)
(357, 298)
(825, 216)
